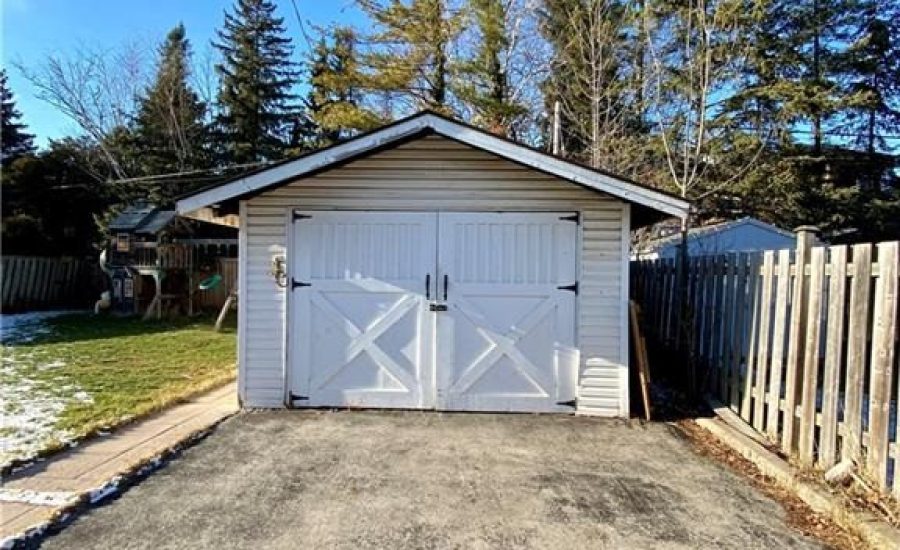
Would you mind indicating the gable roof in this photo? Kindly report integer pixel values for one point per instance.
(425, 123)
(142, 217)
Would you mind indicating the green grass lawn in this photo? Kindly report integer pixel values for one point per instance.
(80, 373)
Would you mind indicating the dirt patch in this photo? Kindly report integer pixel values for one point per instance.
(797, 513)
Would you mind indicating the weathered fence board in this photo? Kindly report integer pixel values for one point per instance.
(748, 352)
(762, 350)
(883, 343)
(740, 298)
(809, 385)
(857, 336)
(831, 383)
(776, 376)
(802, 344)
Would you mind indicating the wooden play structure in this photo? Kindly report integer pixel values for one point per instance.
(155, 260)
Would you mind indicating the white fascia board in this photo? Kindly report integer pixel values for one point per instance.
(299, 167)
(566, 170)
(546, 163)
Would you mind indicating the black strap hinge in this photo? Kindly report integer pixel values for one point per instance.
(294, 397)
(573, 218)
(295, 283)
(566, 403)
(297, 216)
(571, 288)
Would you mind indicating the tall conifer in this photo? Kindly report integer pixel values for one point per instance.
(15, 141)
(412, 50)
(257, 118)
(335, 103)
(170, 127)
(484, 83)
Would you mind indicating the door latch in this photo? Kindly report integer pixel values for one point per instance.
(437, 307)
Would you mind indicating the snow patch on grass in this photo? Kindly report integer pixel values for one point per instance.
(19, 328)
(31, 406)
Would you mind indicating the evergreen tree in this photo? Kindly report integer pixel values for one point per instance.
(484, 81)
(14, 140)
(795, 65)
(873, 74)
(257, 119)
(820, 80)
(334, 104)
(170, 130)
(412, 50)
(50, 204)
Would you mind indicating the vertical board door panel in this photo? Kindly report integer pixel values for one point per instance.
(361, 332)
(507, 339)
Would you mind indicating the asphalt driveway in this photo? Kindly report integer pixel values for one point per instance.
(430, 480)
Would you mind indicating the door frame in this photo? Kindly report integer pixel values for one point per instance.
(290, 321)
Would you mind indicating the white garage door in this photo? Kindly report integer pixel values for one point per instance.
(470, 311)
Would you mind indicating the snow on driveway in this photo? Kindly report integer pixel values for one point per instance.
(31, 405)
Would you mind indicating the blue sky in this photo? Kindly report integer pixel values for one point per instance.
(32, 29)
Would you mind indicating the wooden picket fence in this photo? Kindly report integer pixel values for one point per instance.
(33, 282)
(802, 344)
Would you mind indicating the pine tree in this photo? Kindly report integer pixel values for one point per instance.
(257, 119)
(335, 103)
(170, 130)
(819, 79)
(412, 53)
(873, 74)
(795, 66)
(14, 140)
(483, 83)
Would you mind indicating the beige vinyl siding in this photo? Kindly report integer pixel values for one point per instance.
(430, 174)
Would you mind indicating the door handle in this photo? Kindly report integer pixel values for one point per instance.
(446, 284)
(428, 286)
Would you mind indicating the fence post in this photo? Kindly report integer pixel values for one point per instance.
(806, 236)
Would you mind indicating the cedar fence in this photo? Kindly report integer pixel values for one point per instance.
(31, 282)
(802, 344)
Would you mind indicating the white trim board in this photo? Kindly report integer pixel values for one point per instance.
(462, 133)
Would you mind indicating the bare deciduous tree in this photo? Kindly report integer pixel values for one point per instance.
(696, 53)
(97, 89)
(592, 78)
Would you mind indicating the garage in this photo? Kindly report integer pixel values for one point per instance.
(431, 265)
